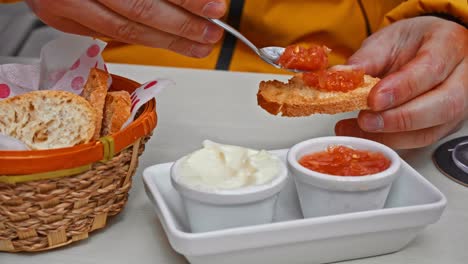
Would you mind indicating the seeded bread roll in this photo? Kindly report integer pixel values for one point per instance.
(95, 91)
(296, 99)
(48, 119)
(116, 112)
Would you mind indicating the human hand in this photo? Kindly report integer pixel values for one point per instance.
(423, 95)
(177, 25)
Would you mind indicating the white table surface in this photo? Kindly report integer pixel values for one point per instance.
(221, 106)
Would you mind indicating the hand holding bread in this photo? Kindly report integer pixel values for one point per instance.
(421, 98)
(423, 95)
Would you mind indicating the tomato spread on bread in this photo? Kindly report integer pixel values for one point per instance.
(345, 161)
(305, 59)
(334, 80)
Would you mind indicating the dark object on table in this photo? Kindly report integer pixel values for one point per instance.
(443, 160)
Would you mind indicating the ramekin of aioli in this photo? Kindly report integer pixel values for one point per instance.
(226, 186)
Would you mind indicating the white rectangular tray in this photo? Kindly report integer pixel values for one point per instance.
(413, 203)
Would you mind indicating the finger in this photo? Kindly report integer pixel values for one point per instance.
(205, 8)
(429, 68)
(399, 140)
(378, 54)
(70, 26)
(94, 15)
(445, 103)
(61, 23)
(168, 18)
(410, 75)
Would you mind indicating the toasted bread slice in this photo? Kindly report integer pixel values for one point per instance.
(116, 112)
(95, 91)
(47, 119)
(296, 99)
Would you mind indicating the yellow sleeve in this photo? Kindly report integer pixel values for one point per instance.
(455, 9)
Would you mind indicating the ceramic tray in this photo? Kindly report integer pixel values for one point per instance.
(413, 203)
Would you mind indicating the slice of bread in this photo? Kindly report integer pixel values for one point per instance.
(95, 91)
(296, 99)
(116, 112)
(47, 119)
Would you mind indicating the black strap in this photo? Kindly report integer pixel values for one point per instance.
(366, 18)
(449, 18)
(229, 43)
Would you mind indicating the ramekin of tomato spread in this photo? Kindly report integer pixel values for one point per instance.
(336, 175)
(345, 161)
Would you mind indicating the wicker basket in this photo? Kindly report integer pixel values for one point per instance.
(51, 198)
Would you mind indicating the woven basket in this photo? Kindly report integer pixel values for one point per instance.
(51, 198)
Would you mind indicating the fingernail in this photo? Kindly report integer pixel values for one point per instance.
(339, 129)
(212, 33)
(345, 127)
(455, 129)
(214, 9)
(371, 122)
(200, 51)
(349, 131)
(384, 100)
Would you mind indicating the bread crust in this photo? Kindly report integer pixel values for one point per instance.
(95, 91)
(47, 119)
(295, 99)
(116, 112)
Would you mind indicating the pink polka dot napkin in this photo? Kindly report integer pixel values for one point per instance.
(64, 65)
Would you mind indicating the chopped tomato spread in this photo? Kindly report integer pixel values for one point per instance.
(334, 81)
(304, 59)
(345, 161)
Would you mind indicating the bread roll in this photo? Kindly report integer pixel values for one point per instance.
(296, 99)
(116, 112)
(48, 119)
(95, 91)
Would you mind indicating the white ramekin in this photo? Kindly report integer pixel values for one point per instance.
(322, 194)
(221, 209)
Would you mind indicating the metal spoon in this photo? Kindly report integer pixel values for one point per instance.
(269, 54)
(460, 156)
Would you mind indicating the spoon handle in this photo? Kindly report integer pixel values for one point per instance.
(236, 33)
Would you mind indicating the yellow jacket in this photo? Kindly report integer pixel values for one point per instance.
(340, 24)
